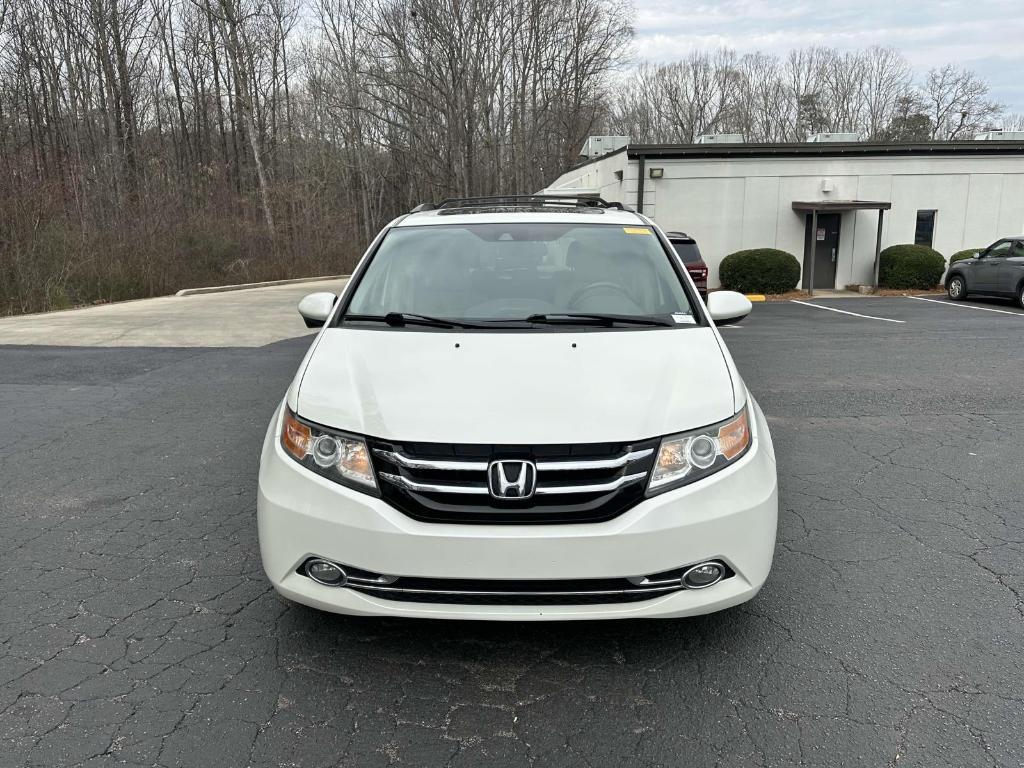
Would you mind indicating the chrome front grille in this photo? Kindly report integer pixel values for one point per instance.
(543, 489)
(574, 483)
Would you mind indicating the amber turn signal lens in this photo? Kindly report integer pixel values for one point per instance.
(734, 437)
(296, 437)
(355, 462)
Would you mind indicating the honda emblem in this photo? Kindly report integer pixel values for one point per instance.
(512, 479)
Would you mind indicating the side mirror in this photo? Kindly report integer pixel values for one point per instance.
(316, 308)
(728, 307)
(977, 255)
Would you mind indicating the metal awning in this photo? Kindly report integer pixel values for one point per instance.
(837, 206)
(814, 207)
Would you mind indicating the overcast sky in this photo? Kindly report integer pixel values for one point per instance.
(984, 35)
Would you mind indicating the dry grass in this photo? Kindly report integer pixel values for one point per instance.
(50, 260)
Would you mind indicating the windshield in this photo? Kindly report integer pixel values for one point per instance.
(520, 271)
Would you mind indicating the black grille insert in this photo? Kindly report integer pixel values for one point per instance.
(519, 591)
(448, 483)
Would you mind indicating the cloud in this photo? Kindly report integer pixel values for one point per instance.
(983, 35)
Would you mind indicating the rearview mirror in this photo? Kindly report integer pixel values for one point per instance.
(728, 307)
(315, 308)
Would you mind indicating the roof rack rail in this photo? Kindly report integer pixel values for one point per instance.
(525, 201)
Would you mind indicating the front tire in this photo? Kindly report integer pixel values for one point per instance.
(1020, 295)
(956, 288)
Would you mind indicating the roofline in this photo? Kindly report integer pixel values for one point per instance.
(824, 149)
(593, 160)
(812, 149)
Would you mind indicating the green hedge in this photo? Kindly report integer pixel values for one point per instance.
(759, 270)
(965, 254)
(910, 266)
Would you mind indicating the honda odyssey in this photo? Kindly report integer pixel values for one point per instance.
(518, 408)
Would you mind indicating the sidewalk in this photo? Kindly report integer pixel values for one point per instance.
(243, 318)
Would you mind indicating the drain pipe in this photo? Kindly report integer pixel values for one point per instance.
(641, 168)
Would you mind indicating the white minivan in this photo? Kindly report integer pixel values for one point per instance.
(517, 409)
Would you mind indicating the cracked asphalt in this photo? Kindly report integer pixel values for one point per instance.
(136, 627)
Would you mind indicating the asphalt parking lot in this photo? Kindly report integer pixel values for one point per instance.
(136, 627)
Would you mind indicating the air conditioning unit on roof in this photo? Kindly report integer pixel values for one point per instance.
(720, 138)
(819, 138)
(596, 146)
(1000, 136)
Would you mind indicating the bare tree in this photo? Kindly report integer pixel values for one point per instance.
(1013, 121)
(150, 144)
(232, 18)
(888, 84)
(870, 92)
(763, 110)
(957, 103)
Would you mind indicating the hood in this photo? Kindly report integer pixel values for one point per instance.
(516, 388)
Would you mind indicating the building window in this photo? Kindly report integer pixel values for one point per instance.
(925, 229)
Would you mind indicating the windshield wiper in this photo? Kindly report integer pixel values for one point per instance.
(398, 319)
(588, 318)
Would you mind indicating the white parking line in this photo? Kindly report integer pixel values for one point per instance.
(965, 306)
(844, 312)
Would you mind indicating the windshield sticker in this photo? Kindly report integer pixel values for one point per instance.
(636, 230)
(683, 318)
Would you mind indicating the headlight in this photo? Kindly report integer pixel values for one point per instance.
(342, 458)
(690, 456)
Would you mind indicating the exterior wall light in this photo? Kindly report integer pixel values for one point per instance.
(657, 173)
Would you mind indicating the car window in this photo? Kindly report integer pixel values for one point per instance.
(999, 250)
(1017, 251)
(514, 270)
(688, 252)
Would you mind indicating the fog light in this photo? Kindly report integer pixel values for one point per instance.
(327, 573)
(703, 575)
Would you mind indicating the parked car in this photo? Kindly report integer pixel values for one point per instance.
(518, 409)
(689, 252)
(996, 271)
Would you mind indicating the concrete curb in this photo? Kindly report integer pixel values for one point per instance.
(249, 286)
(851, 295)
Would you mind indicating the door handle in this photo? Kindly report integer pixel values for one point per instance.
(833, 255)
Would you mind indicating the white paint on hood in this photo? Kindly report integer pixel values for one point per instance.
(532, 387)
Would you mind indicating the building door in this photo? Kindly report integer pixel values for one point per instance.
(823, 247)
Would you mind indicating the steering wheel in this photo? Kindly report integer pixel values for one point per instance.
(593, 288)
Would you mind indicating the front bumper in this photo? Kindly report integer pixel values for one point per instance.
(730, 516)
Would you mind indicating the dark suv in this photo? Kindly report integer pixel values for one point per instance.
(688, 251)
